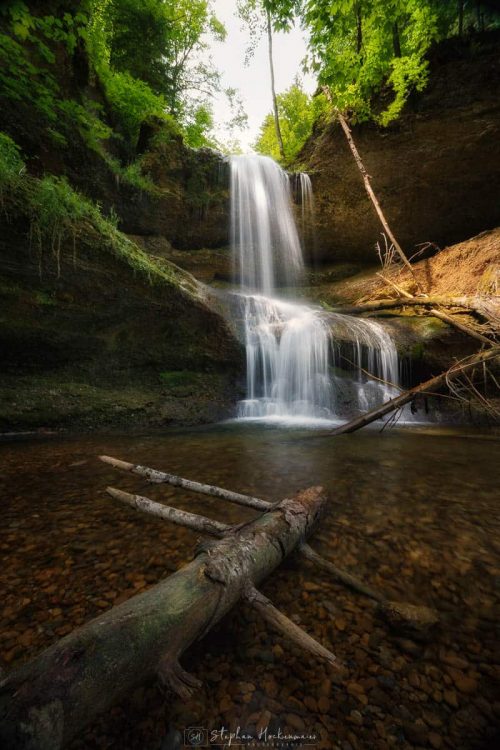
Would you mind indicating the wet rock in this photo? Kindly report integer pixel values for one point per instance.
(417, 621)
(295, 722)
(416, 731)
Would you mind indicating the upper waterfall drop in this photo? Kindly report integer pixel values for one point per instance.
(264, 238)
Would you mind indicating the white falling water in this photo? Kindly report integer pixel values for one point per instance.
(287, 348)
(306, 197)
(266, 246)
(293, 359)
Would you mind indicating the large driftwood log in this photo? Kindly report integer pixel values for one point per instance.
(429, 385)
(44, 703)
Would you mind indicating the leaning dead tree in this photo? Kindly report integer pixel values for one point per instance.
(368, 186)
(45, 702)
(428, 386)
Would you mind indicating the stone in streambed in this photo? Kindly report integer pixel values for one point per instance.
(409, 619)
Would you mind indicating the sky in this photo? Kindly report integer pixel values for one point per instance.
(253, 82)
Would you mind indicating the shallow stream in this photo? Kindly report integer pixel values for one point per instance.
(413, 512)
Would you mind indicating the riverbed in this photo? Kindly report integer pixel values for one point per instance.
(412, 511)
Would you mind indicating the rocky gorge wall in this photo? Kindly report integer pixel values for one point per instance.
(436, 171)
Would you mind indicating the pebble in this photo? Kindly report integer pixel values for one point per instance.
(465, 684)
(416, 731)
(323, 705)
(295, 722)
(435, 740)
(356, 718)
(450, 697)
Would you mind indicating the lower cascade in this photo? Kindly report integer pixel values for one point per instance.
(301, 362)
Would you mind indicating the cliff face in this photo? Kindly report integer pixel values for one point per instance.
(89, 341)
(436, 171)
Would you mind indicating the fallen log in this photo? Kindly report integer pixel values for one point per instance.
(46, 702)
(400, 615)
(450, 320)
(485, 308)
(407, 396)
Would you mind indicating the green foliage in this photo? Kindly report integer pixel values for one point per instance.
(149, 55)
(56, 210)
(11, 165)
(357, 47)
(58, 216)
(298, 113)
(161, 43)
(196, 131)
(132, 100)
(29, 72)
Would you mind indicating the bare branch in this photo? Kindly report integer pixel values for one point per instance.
(161, 477)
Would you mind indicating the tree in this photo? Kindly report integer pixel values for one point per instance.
(164, 43)
(357, 47)
(267, 15)
(298, 112)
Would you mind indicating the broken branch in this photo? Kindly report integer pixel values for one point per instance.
(161, 477)
(290, 630)
(428, 385)
(180, 517)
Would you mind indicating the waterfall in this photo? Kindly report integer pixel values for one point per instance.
(266, 245)
(302, 363)
(306, 197)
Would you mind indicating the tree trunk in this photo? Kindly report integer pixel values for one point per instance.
(485, 308)
(405, 398)
(273, 90)
(368, 187)
(49, 700)
(460, 18)
(359, 28)
(395, 40)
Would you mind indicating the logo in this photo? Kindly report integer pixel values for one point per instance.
(196, 737)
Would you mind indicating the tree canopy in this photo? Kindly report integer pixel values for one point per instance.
(151, 56)
(357, 48)
(298, 112)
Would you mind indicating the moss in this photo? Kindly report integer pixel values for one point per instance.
(44, 299)
(417, 350)
(175, 378)
(57, 214)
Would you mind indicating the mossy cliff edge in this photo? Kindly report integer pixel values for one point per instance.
(95, 331)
